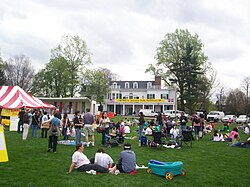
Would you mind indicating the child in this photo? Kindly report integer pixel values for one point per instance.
(235, 141)
(216, 137)
(174, 132)
(149, 131)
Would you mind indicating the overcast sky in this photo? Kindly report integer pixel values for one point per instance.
(123, 35)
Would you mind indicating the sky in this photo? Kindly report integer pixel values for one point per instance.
(122, 35)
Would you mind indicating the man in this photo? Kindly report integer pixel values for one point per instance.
(58, 114)
(20, 122)
(127, 160)
(88, 120)
(183, 122)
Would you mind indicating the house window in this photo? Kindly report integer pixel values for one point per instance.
(150, 96)
(130, 95)
(114, 85)
(149, 85)
(126, 85)
(164, 96)
(136, 97)
(135, 85)
(113, 95)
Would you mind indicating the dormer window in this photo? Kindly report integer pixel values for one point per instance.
(114, 85)
(126, 85)
(135, 85)
(149, 85)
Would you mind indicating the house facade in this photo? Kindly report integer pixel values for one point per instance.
(127, 97)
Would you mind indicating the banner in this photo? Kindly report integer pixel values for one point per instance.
(3, 149)
(14, 123)
(140, 100)
(5, 112)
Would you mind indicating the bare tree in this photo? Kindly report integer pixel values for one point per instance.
(221, 98)
(246, 88)
(19, 72)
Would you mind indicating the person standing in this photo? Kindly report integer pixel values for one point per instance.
(45, 126)
(78, 126)
(53, 135)
(20, 122)
(159, 119)
(88, 129)
(141, 125)
(27, 120)
(65, 125)
(104, 122)
(196, 125)
(127, 160)
(35, 124)
(183, 122)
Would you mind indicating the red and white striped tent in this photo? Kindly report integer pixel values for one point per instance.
(13, 97)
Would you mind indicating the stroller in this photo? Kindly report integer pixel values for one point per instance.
(114, 139)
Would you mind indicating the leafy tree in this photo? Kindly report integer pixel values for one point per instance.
(19, 72)
(181, 63)
(96, 82)
(74, 50)
(246, 89)
(53, 81)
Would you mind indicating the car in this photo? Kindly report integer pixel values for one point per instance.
(215, 116)
(242, 119)
(148, 112)
(174, 113)
(227, 118)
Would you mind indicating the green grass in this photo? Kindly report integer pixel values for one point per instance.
(207, 164)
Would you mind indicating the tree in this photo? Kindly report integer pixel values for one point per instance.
(19, 72)
(53, 81)
(246, 88)
(235, 102)
(2, 76)
(74, 50)
(96, 82)
(181, 63)
(221, 98)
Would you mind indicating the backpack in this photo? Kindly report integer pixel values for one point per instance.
(53, 128)
(196, 119)
(26, 118)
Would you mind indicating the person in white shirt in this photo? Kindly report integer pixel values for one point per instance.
(149, 130)
(103, 159)
(174, 131)
(126, 129)
(82, 163)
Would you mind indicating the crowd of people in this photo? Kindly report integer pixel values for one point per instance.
(52, 127)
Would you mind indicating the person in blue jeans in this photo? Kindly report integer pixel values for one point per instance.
(35, 124)
(104, 122)
(141, 124)
(78, 126)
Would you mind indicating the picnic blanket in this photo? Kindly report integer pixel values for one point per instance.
(69, 142)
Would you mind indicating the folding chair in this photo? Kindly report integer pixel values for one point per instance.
(187, 138)
(157, 138)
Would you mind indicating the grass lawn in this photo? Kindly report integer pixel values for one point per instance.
(207, 164)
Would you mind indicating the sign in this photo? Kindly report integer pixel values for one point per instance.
(3, 149)
(140, 100)
(14, 123)
(5, 112)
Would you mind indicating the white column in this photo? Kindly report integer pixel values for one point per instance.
(123, 109)
(114, 108)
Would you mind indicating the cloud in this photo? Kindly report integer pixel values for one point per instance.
(123, 35)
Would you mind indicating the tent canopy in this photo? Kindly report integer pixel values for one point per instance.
(12, 97)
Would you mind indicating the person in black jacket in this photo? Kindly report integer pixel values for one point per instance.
(183, 122)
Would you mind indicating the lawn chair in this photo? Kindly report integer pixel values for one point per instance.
(187, 138)
(157, 139)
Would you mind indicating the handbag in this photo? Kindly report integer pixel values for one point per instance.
(100, 129)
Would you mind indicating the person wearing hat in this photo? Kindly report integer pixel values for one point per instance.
(127, 160)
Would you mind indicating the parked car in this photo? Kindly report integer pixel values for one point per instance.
(148, 112)
(215, 116)
(174, 113)
(242, 119)
(227, 118)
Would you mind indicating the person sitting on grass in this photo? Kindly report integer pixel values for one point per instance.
(235, 141)
(82, 163)
(149, 130)
(216, 137)
(127, 160)
(103, 159)
(232, 133)
(174, 132)
(225, 127)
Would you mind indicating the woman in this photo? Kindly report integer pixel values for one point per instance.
(104, 122)
(65, 125)
(141, 124)
(78, 126)
(53, 137)
(103, 159)
(45, 126)
(35, 124)
(82, 163)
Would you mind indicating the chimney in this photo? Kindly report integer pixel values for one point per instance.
(158, 82)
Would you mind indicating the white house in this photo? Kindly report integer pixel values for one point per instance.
(127, 97)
